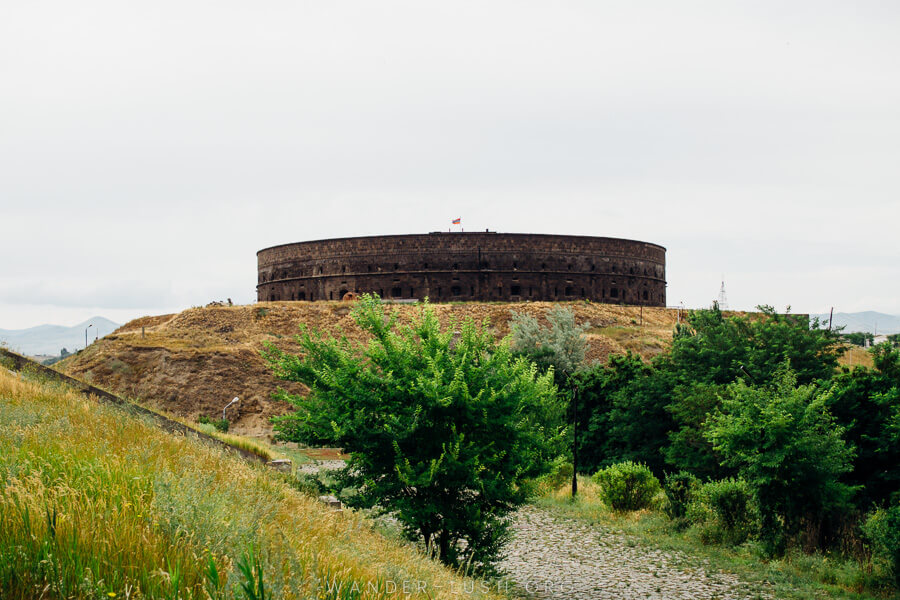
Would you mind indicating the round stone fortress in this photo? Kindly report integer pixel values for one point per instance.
(483, 266)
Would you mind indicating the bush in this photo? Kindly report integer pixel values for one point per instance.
(784, 443)
(220, 424)
(732, 502)
(681, 489)
(627, 486)
(562, 345)
(882, 529)
(443, 430)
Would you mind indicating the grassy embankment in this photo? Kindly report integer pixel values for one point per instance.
(97, 503)
(797, 575)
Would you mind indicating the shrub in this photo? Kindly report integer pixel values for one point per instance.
(627, 486)
(681, 489)
(442, 430)
(882, 529)
(783, 442)
(220, 424)
(732, 502)
(562, 345)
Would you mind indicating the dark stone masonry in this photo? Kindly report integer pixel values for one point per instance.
(484, 266)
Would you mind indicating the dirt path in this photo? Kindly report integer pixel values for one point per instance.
(552, 557)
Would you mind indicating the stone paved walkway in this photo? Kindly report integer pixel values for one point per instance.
(553, 557)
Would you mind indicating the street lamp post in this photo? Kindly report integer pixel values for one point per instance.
(236, 399)
(85, 335)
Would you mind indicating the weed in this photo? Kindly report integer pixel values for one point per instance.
(251, 570)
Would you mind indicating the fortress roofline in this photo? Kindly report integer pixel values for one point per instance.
(460, 233)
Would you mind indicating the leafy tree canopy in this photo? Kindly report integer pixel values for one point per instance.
(718, 349)
(443, 431)
(867, 403)
(561, 345)
(783, 441)
(655, 414)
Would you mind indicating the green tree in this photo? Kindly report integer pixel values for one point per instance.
(786, 446)
(561, 345)
(442, 432)
(559, 349)
(599, 388)
(866, 402)
(859, 338)
(656, 413)
(688, 447)
(719, 349)
(716, 350)
(639, 421)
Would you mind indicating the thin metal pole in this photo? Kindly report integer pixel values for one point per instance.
(574, 441)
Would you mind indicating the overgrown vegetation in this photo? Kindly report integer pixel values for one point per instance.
(221, 425)
(882, 529)
(444, 427)
(781, 439)
(794, 452)
(97, 503)
(703, 542)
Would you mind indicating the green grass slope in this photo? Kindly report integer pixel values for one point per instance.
(96, 503)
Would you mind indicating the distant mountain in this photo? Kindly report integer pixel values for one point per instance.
(50, 339)
(864, 321)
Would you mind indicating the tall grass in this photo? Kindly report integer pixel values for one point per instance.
(95, 503)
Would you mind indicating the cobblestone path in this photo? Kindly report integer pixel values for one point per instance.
(553, 557)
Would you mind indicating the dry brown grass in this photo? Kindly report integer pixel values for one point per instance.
(856, 357)
(194, 362)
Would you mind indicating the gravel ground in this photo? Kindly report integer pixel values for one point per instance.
(552, 557)
(311, 468)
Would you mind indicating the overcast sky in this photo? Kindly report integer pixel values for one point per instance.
(148, 150)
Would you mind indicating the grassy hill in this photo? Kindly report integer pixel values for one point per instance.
(95, 502)
(195, 362)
